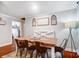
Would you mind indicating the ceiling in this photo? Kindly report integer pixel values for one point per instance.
(35, 8)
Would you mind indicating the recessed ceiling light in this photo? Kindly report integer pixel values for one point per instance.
(35, 7)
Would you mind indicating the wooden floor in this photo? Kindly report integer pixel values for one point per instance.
(10, 55)
(13, 55)
(5, 49)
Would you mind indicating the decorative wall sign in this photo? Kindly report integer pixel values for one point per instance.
(2, 22)
(53, 20)
(43, 21)
(34, 22)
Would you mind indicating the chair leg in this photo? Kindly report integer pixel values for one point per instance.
(43, 55)
(62, 54)
(21, 51)
(26, 53)
(36, 54)
(31, 54)
(47, 54)
(17, 52)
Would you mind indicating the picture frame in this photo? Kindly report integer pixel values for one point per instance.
(53, 20)
(33, 22)
(2, 22)
(43, 21)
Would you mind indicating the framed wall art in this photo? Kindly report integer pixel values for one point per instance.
(53, 20)
(2, 22)
(43, 21)
(33, 22)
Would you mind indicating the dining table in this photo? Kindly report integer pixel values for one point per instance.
(45, 42)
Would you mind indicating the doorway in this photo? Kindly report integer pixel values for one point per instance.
(16, 32)
(16, 29)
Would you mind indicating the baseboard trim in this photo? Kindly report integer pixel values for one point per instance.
(5, 49)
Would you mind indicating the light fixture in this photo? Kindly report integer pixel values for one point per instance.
(71, 25)
(34, 7)
(77, 2)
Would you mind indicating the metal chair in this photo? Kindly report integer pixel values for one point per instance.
(61, 48)
(40, 50)
(20, 46)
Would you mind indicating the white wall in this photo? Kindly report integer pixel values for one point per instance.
(77, 13)
(5, 31)
(61, 32)
(65, 16)
(28, 29)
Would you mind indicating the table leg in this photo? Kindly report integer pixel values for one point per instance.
(53, 52)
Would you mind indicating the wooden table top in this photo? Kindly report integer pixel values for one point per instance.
(48, 42)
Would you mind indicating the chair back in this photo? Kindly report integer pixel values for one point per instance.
(25, 43)
(37, 45)
(64, 43)
(39, 48)
(21, 43)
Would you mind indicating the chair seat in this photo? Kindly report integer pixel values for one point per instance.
(31, 47)
(58, 49)
(42, 49)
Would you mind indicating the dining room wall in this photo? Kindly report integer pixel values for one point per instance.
(5, 30)
(61, 31)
